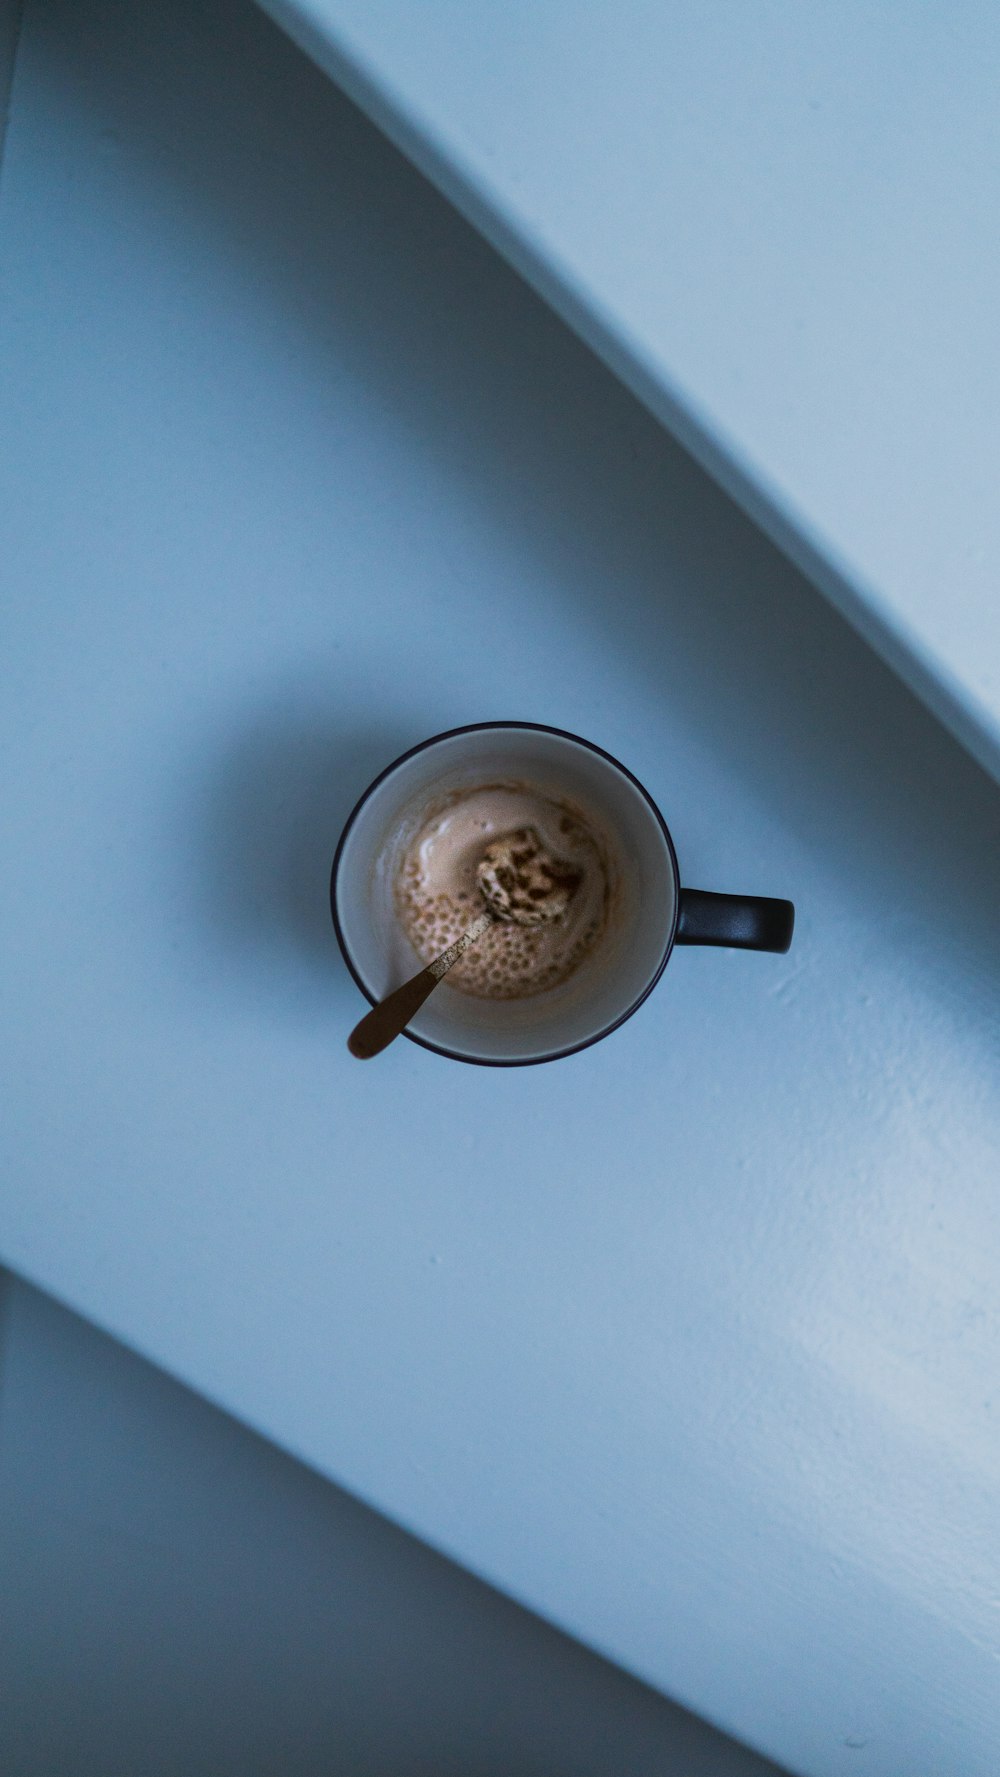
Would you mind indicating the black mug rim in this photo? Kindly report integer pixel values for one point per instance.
(535, 728)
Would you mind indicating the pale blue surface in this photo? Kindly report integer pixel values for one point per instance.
(689, 1341)
(10, 21)
(180, 1599)
(777, 222)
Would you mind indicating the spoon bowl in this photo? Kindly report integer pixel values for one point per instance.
(520, 882)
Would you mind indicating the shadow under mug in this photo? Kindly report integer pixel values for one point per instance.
(653, 912)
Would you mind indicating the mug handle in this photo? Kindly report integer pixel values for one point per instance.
(740, 922)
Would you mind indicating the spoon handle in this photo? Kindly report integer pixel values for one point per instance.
(385, 1021)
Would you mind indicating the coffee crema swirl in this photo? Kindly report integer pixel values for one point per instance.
(437, 895)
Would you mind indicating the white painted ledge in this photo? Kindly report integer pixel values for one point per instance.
(273, 1623)
(777, 224)
(688, 1342)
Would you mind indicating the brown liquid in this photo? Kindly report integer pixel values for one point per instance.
(437, 897)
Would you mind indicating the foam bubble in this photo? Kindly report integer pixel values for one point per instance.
(437, 895)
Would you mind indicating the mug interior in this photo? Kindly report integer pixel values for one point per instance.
(606, 986)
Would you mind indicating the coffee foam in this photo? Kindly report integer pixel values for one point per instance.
(437, 896)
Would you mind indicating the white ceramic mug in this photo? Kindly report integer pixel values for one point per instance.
(652, 911)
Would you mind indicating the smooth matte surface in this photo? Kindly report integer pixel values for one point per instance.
(777, 223)
(180, 1599)
(10, 24)
(690, 1341)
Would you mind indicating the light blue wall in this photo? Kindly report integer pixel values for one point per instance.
(10, 22)
(279, 433)
(179, 1599)
(775, 221)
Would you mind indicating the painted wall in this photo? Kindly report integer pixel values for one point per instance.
(771, 221)
(178, 1597)
(705, 1371)
(10, 22)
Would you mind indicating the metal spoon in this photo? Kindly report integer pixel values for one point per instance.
(520, 881)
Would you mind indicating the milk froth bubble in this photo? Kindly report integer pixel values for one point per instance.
(437, 895)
